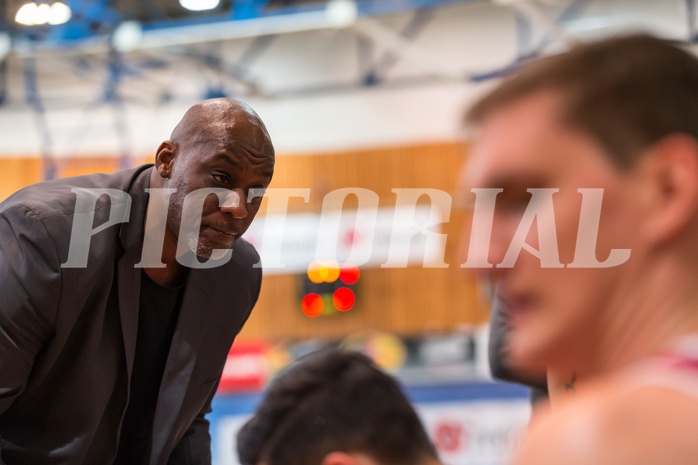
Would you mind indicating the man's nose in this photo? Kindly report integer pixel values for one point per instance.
(235, 204)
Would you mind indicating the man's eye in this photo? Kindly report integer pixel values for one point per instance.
(256, 193)
(221, 178)
(514, 201)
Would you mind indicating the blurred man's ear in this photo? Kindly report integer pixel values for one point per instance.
(344, 458)
(673, 182)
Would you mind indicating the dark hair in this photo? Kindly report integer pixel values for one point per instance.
(627, 92)
(333, 401)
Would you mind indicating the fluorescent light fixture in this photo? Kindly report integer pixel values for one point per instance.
(26, 14)
(60, 14)
(199, 5)
(31, 14)
(42, 14)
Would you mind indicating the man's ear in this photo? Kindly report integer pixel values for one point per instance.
(164, 157)
(672, 175)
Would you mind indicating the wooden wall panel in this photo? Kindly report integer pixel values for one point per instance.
(16, 173)
(19, 172)
(405, 301)
(80, 166)
(409, 301)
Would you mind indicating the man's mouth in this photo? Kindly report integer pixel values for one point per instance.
(516, 306)
(224, 230)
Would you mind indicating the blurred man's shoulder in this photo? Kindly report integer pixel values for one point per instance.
(617, 421)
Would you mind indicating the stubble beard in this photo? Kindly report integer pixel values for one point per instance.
(195, 243)
(205, 250)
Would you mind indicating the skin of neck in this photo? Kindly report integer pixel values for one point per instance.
(655, 305)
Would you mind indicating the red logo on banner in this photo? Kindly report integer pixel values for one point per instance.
(450, 436)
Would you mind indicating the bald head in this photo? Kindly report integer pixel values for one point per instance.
(219, 144)
(230, 121)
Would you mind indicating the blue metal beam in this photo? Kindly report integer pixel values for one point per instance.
(248, 9)
(97, 18)
(691, 19)
(3, 82)
(373, 7)
(34, 101)
(416, 24)
(90, 18)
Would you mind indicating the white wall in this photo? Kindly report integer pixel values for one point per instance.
(460, 38)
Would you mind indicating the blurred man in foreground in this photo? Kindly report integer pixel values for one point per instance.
(594, 244)
(335, 408)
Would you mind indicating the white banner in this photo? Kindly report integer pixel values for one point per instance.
(387, 237)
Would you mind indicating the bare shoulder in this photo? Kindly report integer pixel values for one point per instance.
(613, 424)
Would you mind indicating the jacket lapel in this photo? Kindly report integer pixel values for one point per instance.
(129, 303)
(129, 285)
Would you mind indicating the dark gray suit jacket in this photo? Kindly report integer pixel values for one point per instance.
(68, 335)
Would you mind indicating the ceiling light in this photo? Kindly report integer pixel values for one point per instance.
(199, 5)
(341, 13)
(127, 36)
(31, 14)
(60, 14)
(42, 14)
(26, 14)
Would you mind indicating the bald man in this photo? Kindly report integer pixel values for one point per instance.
(122, 294)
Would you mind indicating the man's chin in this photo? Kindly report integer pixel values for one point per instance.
(213, 250)
(529, 358)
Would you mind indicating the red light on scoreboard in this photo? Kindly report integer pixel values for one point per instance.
(312, 305)
(349, 274)
(343, 299)
(328, 288)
